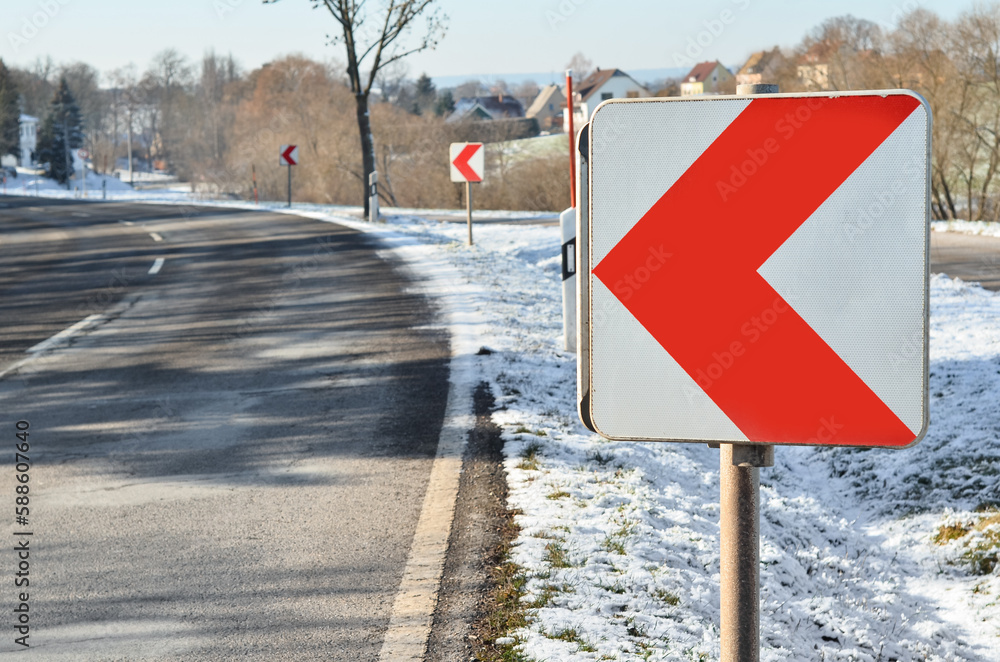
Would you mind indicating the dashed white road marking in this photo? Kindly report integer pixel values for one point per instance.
(155, 236)
(65, 334)
(157, 265)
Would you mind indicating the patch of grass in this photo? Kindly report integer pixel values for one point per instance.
(505, 612)
(666, 597)
(602, 458)
(613, 544)
(980, 541)
(949, 532)
(558, 494)
(616, 588)
(634, 629)
(556, 555)
(529, 457)
(982, 555)
(570, 635)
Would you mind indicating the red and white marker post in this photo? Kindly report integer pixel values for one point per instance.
(289, 156)
(468, 164)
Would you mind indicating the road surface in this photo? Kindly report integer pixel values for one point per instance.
(229, 461)
(972, 258)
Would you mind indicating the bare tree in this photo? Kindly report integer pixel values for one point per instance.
(581, 66)
(384, 43)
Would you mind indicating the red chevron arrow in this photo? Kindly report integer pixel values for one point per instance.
(287, 155)
(462, 162)
(707, 306)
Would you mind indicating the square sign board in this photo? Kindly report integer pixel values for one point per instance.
(757, 269)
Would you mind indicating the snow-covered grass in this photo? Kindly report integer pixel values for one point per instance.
(867, 555)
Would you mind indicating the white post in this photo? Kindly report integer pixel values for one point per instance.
(373, 197)
(567, 221)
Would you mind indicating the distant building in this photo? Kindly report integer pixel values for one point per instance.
(705, 78)
(600, 86)
(486, 108)
(548, 108)
(814, 66)
(761, 67)
(28, 139)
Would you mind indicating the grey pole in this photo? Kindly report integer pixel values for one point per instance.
(739, 529)
(289, 185)
(468, 208)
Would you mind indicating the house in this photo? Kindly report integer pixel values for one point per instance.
(548, 108)
(705, 78)
(486, 108)
(600, 86)
(813, 67)
(28, 139)
(761, 67)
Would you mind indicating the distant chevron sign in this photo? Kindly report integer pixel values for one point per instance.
(467, 162)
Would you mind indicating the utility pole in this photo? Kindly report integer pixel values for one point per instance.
(68, 161)
(131, 181)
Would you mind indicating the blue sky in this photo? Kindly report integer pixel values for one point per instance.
(485, 37)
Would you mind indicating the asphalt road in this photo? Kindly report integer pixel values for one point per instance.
(969, 257)
(230, 465)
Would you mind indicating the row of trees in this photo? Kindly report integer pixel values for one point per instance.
(213, 123)
(955, 65)
(60, 134)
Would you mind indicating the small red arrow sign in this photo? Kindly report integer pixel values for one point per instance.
(288, 156)
(461, 162)
(774, 377)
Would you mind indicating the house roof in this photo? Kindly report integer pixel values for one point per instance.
(701, 72)
(596, 81)
(760, 61)
(27, 118)
(544, 98)
(495, 107)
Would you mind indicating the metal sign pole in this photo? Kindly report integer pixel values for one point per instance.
(739, 534)
(739, 530)
(468, 208)
(289, 184)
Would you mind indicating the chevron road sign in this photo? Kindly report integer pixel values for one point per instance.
(467, 162)
(758, 269)
(288, 155)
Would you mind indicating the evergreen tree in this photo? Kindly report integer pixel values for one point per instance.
(445, 104)
(426, 93)
(61, 133)
(10, 113)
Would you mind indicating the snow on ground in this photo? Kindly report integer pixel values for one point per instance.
(967, 227)
(867, 555)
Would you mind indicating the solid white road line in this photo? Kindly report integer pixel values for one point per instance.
(155, 236)
(413, 609)
(157, 265)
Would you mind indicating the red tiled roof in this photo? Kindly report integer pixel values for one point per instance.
(701, 72)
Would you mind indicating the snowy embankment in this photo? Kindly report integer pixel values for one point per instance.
(866, 555)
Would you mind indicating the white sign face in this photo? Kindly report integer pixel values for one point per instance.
(83, 154)
(468, 163)
(289, 155)
(757, 269)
